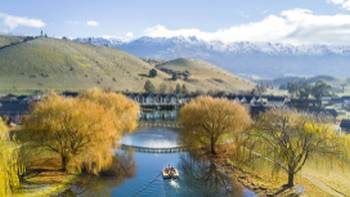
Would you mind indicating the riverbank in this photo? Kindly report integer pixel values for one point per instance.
(264, 181)
(245, 178)
(48, 183)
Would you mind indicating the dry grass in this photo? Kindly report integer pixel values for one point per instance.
(335, 176)
(260, 174)
(206, 76)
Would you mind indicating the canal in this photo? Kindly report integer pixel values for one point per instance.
(140, 172)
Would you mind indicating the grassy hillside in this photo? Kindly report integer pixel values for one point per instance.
(206, 76)
(45, 64)
(341, 86)
(7, 40)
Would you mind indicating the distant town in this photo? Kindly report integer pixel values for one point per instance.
(164, 107)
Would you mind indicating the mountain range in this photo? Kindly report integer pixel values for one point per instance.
(251, 60)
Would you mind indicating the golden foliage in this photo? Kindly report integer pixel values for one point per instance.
(3, 130)
(81, 130)
(207, 121)
(290, 138)
(125, 110)
(9, 163)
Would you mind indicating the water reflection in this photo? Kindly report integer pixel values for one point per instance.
(206, 178)
(152, 138)
(123, 167)
(139, 174)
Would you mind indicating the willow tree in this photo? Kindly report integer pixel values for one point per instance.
(78, 130)
(125, 111)
(3, 131)
(290, 139)
(207, 121)
(10, 167)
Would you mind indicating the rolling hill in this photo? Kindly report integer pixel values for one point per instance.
(8, 40)
(251, 60)
(46, 63)
(204, 74)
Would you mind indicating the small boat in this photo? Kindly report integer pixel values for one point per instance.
(170, 173)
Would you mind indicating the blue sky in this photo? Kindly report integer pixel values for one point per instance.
(117, 18)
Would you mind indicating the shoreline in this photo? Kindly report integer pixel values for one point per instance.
(47, 183)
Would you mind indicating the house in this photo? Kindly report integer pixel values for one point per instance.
(13, 110)
(305, 103)
(345, 126)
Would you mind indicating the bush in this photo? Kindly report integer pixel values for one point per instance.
(153, 73)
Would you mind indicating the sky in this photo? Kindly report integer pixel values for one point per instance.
(290, 21)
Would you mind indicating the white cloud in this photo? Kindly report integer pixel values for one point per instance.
(126, 38)
(11, 22)
(92, 23)
(343, 3)
(296, 26)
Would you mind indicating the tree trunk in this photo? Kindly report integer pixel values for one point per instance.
(64, 162)
(290, 179)
(212, 146)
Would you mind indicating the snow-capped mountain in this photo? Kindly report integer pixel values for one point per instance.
(266, 60)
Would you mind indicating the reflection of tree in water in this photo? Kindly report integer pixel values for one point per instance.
(203, 176)
(123, 167)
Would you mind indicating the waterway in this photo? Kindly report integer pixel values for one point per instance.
(141, 172)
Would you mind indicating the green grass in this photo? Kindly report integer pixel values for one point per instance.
(7, 40)
(52, 64)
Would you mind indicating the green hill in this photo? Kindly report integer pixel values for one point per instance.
(8, 40)
(46, 63)
(205, 76)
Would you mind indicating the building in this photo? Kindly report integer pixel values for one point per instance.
(12, 109)
(345, 126)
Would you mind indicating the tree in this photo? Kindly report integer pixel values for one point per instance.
(304, 91)
(184, 90)
(292, 88)
(178, 89)
(290, 139)
(162, 88)
(152, 73)
(186, 75)
(78, 130)
(3, 130)
(125, 111)
(321, 89)
(259, 89)
(207, 121)
(174, 76)
(10, 167)
(149, 87)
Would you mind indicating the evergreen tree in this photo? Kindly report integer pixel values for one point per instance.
(149, 87)
(152, 73)
(178, 89)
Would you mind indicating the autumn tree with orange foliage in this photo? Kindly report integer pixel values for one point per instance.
(125, 110)
(207, 121)
(79, 130)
